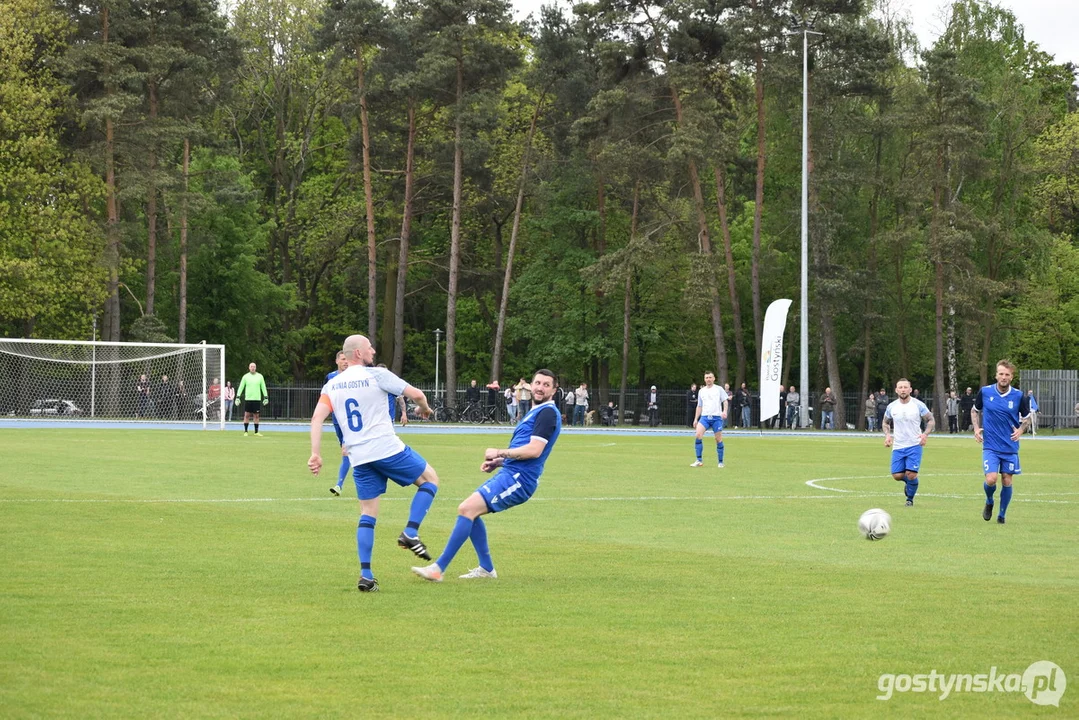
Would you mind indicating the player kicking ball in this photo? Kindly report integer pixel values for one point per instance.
(903, 433)
(520, 466)
(1000, 416)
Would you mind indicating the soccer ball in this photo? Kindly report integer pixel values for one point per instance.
(875, 524)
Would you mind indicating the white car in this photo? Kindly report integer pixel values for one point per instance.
(55, 407)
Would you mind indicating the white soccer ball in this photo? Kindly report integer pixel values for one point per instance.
(875, 524)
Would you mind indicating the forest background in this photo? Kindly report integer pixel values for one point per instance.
(611, 191)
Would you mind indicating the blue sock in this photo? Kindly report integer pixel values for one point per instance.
(990, 490)
(365, 542)
(699, 446)
(479, 541)
(1005, 498)
(912, 488)
(461, 532)
(719, 450)
(421, 503)
(342, 472)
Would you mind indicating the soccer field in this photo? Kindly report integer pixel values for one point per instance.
(205, 574)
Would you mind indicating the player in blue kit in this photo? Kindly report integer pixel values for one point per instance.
(521, 466)
(342, 472)
(903, 433)
(712, 404)
(1000, 416)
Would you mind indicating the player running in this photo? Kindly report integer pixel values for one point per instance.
(342, 471)
(357, 398)
(711, 411)
(520, 468)
(1000, 416)
(904, 416)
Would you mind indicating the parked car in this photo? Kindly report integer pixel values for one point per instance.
(54, 406)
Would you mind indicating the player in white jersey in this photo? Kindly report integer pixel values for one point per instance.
(712, 403)
(903, 433)
(358, 398)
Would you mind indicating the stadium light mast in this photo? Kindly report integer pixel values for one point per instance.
(805, 29)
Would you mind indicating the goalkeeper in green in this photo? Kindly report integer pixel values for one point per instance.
(252, 393)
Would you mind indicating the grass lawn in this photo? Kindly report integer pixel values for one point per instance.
(204, 574)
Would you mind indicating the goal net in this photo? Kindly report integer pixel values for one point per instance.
(140, 382)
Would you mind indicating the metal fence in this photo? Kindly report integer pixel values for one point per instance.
(1057, 392)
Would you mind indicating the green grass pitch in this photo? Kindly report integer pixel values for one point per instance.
(204, 574)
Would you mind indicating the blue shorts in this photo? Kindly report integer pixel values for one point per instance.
(909, 458)
(1007, 463)
(506, 490)
(404, 468)
(711, 422)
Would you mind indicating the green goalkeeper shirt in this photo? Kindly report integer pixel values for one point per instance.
(252, 388)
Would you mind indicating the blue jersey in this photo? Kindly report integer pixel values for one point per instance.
(336, 427)
(1001, 414)
(542, 421)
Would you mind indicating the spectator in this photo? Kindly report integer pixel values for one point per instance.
(780, 420)
(882, 406)
(610, 414)
(571, 401)
(871, 412)
(691, 404)
(734, 410)
(230, 396)
(494, 394)
(793, 409)
(1033, 412)
(1076, 410)
(510, 396)
(165, 398)
(181, 400)
(142, 397)
(580, 407)
(827, 409)
(472, 394)
(213, 395)
(966, 404)
(524, 396)
(653, 407)
(951, 409)
(745, 402)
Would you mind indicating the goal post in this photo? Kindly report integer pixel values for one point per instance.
(137, 382)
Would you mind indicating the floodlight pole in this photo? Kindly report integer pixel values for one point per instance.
(805, 28)
(93, 371)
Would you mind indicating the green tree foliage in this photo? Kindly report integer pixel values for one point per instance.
(51, 278)
(613, 192)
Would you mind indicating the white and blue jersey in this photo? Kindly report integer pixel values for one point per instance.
(1001, 414)
(711, 400)
(517, 480)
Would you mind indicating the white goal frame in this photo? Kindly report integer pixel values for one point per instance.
(131, 359)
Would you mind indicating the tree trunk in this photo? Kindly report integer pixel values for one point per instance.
(871, 266)
(455, 247)
(732, 287)
(151, 210)
(626, 295)
(402, 257)
(111, 320)
(368, 196)
(503, 305)
(389, 302)
(755, 274)
(182, 331)
(706, 249)
(936, 243)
